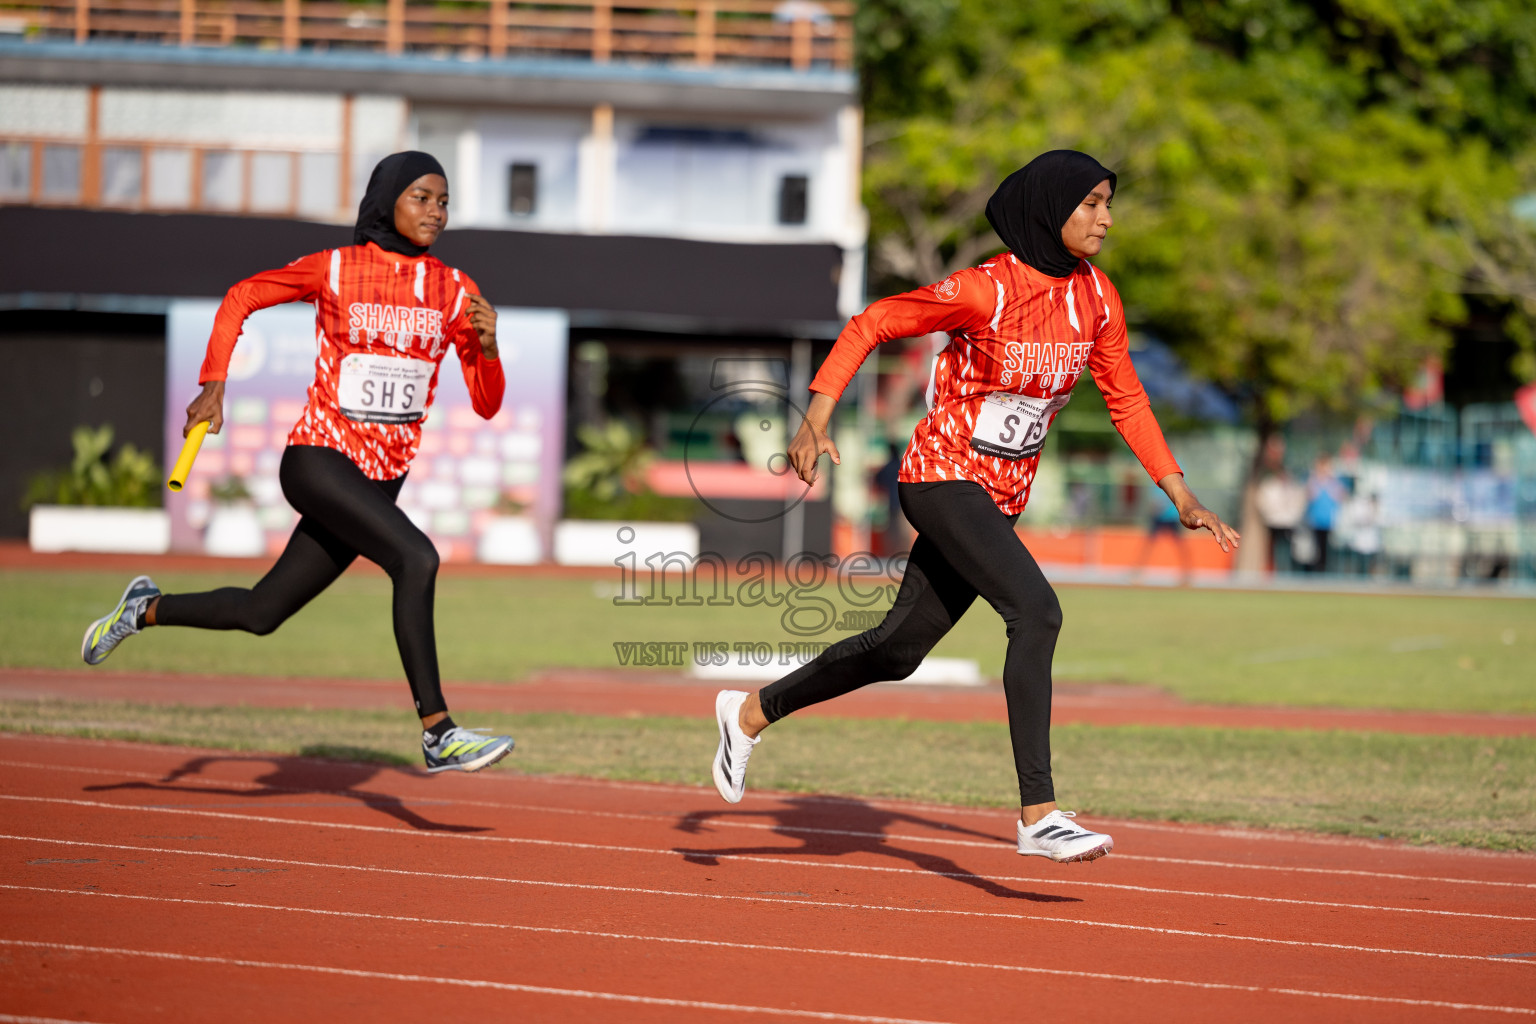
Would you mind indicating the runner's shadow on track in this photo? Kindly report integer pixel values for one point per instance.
(291, 775)
(848, 827)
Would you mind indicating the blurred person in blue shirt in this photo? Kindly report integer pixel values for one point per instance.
(1325, 497)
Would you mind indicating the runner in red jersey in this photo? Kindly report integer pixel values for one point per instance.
(1023, 327)
(386, 313)
(383, 322)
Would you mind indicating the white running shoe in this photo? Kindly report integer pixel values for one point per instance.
(730, 768)
(1055, 836)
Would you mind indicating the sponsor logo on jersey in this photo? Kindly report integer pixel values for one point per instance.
(1038, 359)
(377, 318)
(947, 289)
(395, 326)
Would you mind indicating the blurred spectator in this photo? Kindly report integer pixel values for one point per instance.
(1080, 504)
(1325, 497)
(1282, 502)
(1360, 521)
(1346, 466)
(898, 534)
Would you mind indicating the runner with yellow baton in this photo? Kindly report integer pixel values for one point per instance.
(387, 312)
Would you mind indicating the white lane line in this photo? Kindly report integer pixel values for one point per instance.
(764, 947)
(1321, 871)
(759, 859)
(11, 1018)
(764, 799)
(1259, 834)
(725, 897)
(502, 986)
(720, 822)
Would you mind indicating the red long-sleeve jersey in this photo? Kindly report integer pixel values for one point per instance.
(383, 323)
(1019, 341)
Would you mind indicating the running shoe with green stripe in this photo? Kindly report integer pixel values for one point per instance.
(103, 635)
(463, 749)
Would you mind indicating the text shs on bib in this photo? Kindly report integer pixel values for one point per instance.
(383, 389)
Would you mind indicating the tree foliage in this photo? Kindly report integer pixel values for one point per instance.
(1306, 188)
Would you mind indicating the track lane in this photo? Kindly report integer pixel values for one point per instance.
(1173, 908)
(1306, 883)
(944, 911)
(1314, 861)
(936, 927)
(255, 990)
(886, 858)
(1304, 853)
(743, 972)
(877, 858)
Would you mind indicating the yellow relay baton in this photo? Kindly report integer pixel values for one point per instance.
(189, 450)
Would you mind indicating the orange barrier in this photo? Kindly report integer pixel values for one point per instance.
(1125, 547)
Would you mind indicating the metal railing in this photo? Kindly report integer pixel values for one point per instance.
(799, 33)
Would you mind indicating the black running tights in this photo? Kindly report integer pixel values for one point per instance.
(344, 514)
(965, 546)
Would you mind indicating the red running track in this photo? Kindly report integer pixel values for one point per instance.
(640, 692)
(160, 884)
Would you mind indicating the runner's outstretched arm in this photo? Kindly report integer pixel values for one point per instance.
(1194, 515)
(1131, 413)
(299, 281)
(963, 300)
(811, 440)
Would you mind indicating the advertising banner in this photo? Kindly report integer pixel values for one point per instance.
(485, 489)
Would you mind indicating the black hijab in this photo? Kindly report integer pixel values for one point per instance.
(376, 213)
(1032, 205)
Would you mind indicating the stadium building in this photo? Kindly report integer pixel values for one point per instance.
(662, 199)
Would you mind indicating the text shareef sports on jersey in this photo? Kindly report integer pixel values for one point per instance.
(404, 322)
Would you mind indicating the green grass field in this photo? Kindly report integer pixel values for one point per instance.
(1436, 789)
(1431, 652)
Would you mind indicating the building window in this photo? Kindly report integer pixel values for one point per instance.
(15, 170)
(522, 189)
(61, 173)
(794, 195)
(122, 175)
(319, 184)
(271, 182)
(223, 180)
(170, 177)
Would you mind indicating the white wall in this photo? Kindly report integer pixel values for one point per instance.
(274, 120)
(47, 110)
(548, 141)
(721, 180)
(378, 129)
(722, 188)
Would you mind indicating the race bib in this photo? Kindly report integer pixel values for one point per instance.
(383, 389)
(1013, 426)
